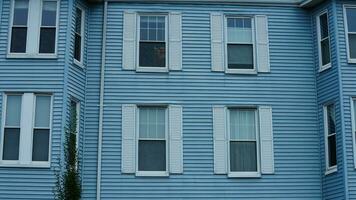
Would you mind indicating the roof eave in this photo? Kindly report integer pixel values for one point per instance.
(310, 3)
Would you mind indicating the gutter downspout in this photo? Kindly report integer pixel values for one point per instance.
(101, 102)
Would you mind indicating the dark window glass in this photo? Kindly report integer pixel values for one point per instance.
(325, 51)
(152, 155)
(152, 54)
(324, 28)
(47, 40)
(332, 150)
(11, 144)
(78, 20)
(49, 13)
(351, 22)
(240, 56)
(352, 45)
(331, 119)
(40, 145)
(18, 40)
(77, 47)
(20, 13)
(243, 156)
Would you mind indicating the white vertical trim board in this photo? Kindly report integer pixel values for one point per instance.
(220, 139)
(129, 41)
(217, 42)
(262, 43)
(353, 127)
(175, 139)
(266, 138)
(350, 60)
(175, 41)
(128, 142)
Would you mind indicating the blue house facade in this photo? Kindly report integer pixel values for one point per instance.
(245, 99)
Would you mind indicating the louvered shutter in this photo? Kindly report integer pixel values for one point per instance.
(266, 138)
(175, 41)
(175, 139)
(262, 44)
(129, 41)
(128, 153)
(217, 42)
(220, 140)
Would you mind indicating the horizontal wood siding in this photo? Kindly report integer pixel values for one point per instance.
(290, 89)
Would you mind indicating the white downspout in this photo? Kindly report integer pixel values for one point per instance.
(101, 102)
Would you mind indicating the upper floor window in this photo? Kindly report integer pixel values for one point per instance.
(79, 35)
(26, 130)
(351, 33)
(330, 138)
(33, 33)
(152, 42)
(323, 40)
(240, 44)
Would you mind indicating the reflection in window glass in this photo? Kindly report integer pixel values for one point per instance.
(351, 27)
(19, 27)
(331, 135)
(324, 39)
(78, 35)
(48, 27)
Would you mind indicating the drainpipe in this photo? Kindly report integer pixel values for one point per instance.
(101, 103)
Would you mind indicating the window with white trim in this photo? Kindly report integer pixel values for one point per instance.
(350, 25)
(152, 136)
(34, 28)
(330, 137)
(79, 35)
(75, 108)
(240, 44)
(27, 130)
(152, 41)
(323, 40)
(243, 141)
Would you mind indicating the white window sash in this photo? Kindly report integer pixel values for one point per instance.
(82, 34)
(328, 169)
(138, 40)
(240, 71)
(347, 33)
(33, 31)
(235, 174)
(328, 65)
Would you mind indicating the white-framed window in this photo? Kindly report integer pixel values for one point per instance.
(240, 44)
(353, 121)
(243, 145)
(152, 42)
(152, 141)
(330, 138)
(350, 29)
(26, 132)
(323, 40)
(33, 30)
(79, 35)
(75, 106)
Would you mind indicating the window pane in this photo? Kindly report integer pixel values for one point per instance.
(331, 119)
(13, 110)
(243, 157)
(43, 110)
(152, 123)
(152, 28)
(240, 56)
(40, 145)
(352, 45)
(152, 54)
(325, 52)
(11, 144)
(239, 35)
(49, 13)
(18, 40)
(47, 40)
(152, 156)
(78, 21)
(242, 124)
(77, 47)
(351, 16)
(332, 150)
(21, 12)
(324, 28)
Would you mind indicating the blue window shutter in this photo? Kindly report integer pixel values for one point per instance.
(262, 43)
(175, 139)
(175, 41)
(217, 42)
(129, 41)
(266, 138)
(128, 142)
(220, 140)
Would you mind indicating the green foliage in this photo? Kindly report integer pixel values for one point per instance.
(68, 183)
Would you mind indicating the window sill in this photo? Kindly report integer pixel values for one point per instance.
(152, 173)
(153, 69)
(352, 61)
(240, 71)
(244, 175)
(78, 64)
(325, 67)
(18, 164)
(331, 170)
(32, 56)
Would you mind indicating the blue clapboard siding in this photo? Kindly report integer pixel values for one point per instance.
(290, 88)
(349, 90)
(33, 75)
(328, 92)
